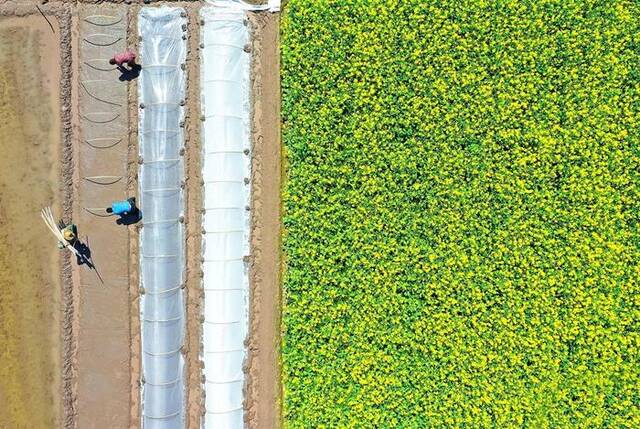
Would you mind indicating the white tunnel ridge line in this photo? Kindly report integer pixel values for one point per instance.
(239, 380)
(224, 323)
(159, 37)
(223, 260)
(223, 80)
(223, 115)
(226, 45)
(169, 353)
(162, 320)
(157, 161)
(159, 256)
(224, 351)
(167, 416)
(214, 152)
(176, 131)
(154, 222)
(156, 291)
(161, 292)
(237, 5)
(230, 410)
(162, 65)
(168, 383)
(151, 191)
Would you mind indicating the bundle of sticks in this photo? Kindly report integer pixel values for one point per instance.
(49, 220)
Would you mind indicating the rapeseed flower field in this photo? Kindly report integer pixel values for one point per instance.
(461, 212)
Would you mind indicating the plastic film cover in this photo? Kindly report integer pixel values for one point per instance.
(161, 90)
(226, 166)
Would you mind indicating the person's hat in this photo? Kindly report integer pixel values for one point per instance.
(68, 235)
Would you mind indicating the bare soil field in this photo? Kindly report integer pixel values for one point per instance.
(29, 265)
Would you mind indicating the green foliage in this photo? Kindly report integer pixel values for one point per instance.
(461, 214)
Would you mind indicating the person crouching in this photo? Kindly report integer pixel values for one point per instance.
(127, 57)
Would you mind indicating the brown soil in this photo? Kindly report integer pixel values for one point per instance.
(30, 133)
(103, 334)
(135, 347)
(193, 215)
(263, 387)
(67, 169)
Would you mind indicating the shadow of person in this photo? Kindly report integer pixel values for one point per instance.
(84, 257)
(130, 218)
(129, 74)
(85, 254)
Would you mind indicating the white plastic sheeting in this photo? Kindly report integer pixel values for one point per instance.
(161, 92)
(271, 5)
(226, 169)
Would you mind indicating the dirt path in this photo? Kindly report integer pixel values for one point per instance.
(194, 292)
(263, 388)
(103, 310)
(134, 238)
(30, 141)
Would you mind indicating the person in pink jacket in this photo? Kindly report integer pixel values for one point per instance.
(127, 57)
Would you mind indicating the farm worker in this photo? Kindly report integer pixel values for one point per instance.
(127, 57)
(69, 233)
(123, 208)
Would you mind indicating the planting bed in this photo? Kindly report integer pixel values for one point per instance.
(103, 332)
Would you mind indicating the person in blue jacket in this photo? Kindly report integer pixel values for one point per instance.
(126, 209)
